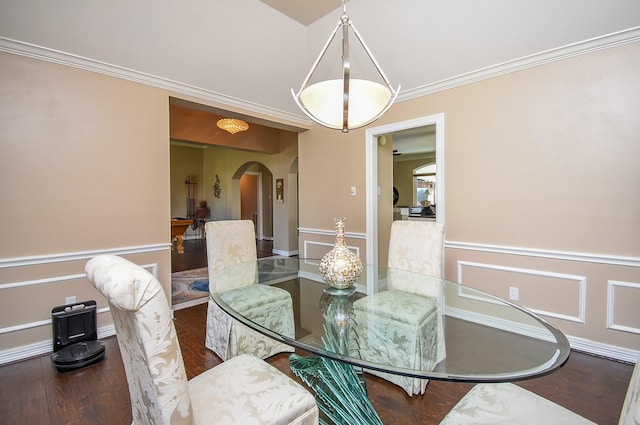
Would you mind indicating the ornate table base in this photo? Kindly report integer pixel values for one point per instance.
(339, 393)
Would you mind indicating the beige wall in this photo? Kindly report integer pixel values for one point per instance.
(542, 183)
(186, 163)
(84, 160)
(230, 164)
(85, 163)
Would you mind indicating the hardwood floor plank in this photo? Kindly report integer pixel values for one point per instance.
(31, 392)
(23, 393)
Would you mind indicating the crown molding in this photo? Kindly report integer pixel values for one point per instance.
(630, 35)
(55, 56)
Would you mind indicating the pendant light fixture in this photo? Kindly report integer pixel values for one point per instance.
(346, 103)
(232, 125)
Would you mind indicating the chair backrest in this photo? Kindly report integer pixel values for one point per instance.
(630, 414)
(416, 246)
(153, 363)
(230, 242)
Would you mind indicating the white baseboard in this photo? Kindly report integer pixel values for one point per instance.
(580, 344)
(603, 350)
(284, 253)
(42, 348)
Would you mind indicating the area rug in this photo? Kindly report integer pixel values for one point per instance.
(189, 288)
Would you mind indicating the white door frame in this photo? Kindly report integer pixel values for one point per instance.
(371, 140)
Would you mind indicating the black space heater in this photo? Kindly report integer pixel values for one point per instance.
(75, 334)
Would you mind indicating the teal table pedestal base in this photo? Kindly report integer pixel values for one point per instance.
(340, 394)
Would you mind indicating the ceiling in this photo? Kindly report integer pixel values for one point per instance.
(246, 56)
(305, 12)
(408, 143)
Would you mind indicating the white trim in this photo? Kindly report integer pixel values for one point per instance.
(153, 269)
(65, 278)
(43, 53)
(582, 283)
(43, 347)
(80, 255)
(619, 38)
(284, 253)
(371, 155)
(576, 343)
(603, 350)
(17, 47)
(611, 284)
(325, 244)
(535, 332)
(331, 233)
(44, 281)
(546, 253)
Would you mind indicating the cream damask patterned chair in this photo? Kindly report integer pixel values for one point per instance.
(231, 242)
(404, 325)
(243, 390)
(509, 404)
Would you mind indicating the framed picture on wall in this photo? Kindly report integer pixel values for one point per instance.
(280, 190)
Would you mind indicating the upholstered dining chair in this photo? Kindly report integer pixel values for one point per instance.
(404, 324)
(240, 391)
(513, 405)
(229, 243)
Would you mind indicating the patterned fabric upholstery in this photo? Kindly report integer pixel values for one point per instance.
(416, 246)
(509, 404)
(231, 242)
(400, 329)
(513, 405)
(411, 327)
(241, 391)
(631, 409)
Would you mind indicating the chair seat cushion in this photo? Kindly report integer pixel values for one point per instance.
(254, 296)
(509, 404)
(399, 306)
(247, 390)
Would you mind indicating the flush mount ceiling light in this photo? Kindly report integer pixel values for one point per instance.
(346, 103)
(233, 125)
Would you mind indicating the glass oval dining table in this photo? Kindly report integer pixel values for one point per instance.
(402, 326)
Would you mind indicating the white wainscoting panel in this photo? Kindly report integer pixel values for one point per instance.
(631, 297)
(579, 281)
(44, 347)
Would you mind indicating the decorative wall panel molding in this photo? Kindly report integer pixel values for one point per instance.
(331, 233)
(326, 247)
(153, 269)
(46, 346)
(580, 281)
(545, 253)
(612, 287)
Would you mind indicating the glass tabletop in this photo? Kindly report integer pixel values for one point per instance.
(394, 321)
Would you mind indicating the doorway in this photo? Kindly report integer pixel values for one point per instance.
(252, 192)
(251, 200)
(377, 225)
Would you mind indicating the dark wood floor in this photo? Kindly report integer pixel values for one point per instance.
(32, 392)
